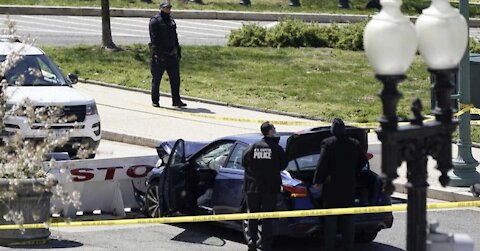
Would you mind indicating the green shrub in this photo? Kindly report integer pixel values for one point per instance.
(250, 35)
(288, 33)
(351, 37)
(474, 46)
(296, 33)
(331, 34)
(314, 37)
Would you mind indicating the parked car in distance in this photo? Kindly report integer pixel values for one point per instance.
(207, 178)
(36, 78)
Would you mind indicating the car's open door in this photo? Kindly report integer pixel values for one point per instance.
(175, 178)
(309, 142)
(302, 147)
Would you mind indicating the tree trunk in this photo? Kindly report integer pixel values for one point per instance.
(107, 41)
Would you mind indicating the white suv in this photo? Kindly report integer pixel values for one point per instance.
(48, 87)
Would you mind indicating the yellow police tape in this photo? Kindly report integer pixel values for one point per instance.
(242, 216)
(276, 122)
(464, 108)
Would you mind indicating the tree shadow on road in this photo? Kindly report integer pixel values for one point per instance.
(206, 233)
(217, 234)
(190, 110)
(52, 244)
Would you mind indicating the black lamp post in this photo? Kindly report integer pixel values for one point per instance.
(390, 42)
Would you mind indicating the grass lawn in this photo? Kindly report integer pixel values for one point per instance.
(318, 82)
(411, 7)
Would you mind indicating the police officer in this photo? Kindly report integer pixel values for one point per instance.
(341, 160)
(263, 162)
(374, 4)
(166, 54)
(343, 4)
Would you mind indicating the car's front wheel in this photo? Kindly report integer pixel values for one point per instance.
(153, 205)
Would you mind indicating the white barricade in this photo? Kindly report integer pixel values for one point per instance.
(104, 184)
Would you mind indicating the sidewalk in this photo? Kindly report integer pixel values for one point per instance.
(127, 116)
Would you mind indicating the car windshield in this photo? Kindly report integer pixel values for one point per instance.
(308, 162)
(34, 70)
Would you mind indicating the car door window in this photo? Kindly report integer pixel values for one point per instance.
(215, 156)
(235, 160)
(177, 156)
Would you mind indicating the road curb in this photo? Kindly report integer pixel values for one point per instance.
(439, 193)
(192, 14)
(206, 101)
(129, 139)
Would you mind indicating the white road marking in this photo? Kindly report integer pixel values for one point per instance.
(236, 23)
(182, 29)
(200, 33)
(270, 25)
(198, 23)
(66, 29)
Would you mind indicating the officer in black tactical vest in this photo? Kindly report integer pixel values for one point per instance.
(165, 54)
(341, 160)
(263, 161)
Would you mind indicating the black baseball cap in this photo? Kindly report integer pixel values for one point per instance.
(165, 4)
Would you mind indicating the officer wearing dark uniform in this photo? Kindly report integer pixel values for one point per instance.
(165, 53)
(263, 161)
(374, 4)
(343, 4)
(341, 160)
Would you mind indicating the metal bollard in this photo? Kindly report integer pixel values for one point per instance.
(447, 241)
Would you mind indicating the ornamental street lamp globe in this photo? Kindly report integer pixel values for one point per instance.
(442, 35)
(390, 41)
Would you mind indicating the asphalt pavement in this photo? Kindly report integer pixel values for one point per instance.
(214, 236)
(75, 30)
(114, 149)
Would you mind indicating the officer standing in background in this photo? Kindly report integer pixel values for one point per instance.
(263, 161)
(341, 160)
(166, 54)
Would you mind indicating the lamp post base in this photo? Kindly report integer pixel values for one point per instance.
(464, 174)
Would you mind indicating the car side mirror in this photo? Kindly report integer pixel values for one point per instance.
(73, 78)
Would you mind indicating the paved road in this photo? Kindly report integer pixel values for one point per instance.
(68, 30)
(112, 149)
(208, 236)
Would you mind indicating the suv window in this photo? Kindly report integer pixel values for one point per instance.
(35, 70)
(235, 160)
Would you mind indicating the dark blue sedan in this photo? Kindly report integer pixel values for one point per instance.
(207, 178)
